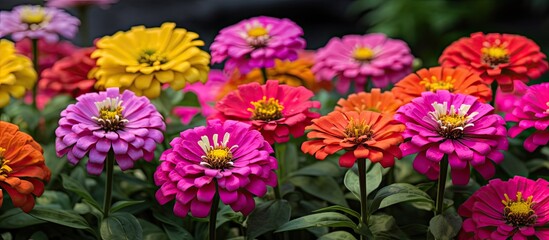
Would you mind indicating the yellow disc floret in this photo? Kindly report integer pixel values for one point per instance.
(266, 109)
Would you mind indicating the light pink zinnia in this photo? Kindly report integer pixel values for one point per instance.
(206, 93)
(230, 155)
(77, 3)
(275, 110)
(356, 58)
(256, 43)
(36, 22)
(532, 110)
(514, 209)
(126, 124)
(455, 125)
(505, 101)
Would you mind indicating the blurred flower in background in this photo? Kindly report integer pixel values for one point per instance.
(505, 101)
(78, 3)
(17, 74)
(48, 53)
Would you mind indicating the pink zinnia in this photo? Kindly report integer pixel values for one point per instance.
(126, 124)
(275, 110)
(36, 22)
(532, 111)
(455, 125)
(256, 43)
(359, 58)
(48, 53)
(77, 3)
(505, 101)
(514, 209)
(206, 93)
(230, 155)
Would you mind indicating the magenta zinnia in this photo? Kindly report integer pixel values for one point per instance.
(514, 209)
(356, 58)
(455, 125)
(126, 124)
(228, 155)
(36, 22)
(275, 110)
(256, 43)
(532, 111)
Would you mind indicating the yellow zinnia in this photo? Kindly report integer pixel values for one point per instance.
(16, 73)
(143, 59)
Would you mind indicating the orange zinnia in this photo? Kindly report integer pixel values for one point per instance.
(22, 167)
(374, 101)
(455, 80)
(363, 135)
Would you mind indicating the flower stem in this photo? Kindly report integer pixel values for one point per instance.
(264, 74)
(36, 68)
(441, 185)
(279, 155)
(363, 193)
(494, 92)
(84, 25)
(213, 213)
(108, 185)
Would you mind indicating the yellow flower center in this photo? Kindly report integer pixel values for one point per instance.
(256, 34)
(363, 54)
(495, 55)
(258, 31)
(358, 131)
(452, 122)
(218, 156)
(150, 57)
(33, 15)
(4, 168)
(110, 114)
(433, 84)
(266, 109)
(519, 212)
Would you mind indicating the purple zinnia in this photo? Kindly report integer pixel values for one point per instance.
(230, 155)
(36, 22)
(256, 43)
(455, 125)
(359, 58)
(126, 124)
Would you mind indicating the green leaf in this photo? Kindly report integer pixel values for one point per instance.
(337, 235)
(328, 219)
(54, 163)
(122, 204)
(54, 199)
(6, 236)
(445, 226)
(121, 226)
(399, 193)
(61, 217)
(320, 168)
(75, 186)
(16, 218)
(177, 232)
(373, 179)
(268, 216)
(151, 231)
(385, 227)
(340, 208)
(513, 166)
(323, 187)
(189, 99)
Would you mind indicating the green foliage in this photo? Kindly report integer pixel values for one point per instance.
(121, 226)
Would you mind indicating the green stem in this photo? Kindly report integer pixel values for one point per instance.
(279, 150)
(264, 74)
(108, 185)
(441, 185)
(36, 68)
(84, 25)
(363, 193)
(213, 214)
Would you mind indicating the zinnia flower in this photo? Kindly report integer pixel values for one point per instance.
(36, 22)
(48, 53)
(455, 125)
(107, 121)
(229, 158)
(532, 110)
(362, 135)
(275, 110)
(505, 101)
(499, 57)
(17, 74)
(22, 167)
(359, 58)
(455, 80)
(206, 93)
(78, 3)
(67, 76)
(256, 43)
(514, 209)
(374, 101)
(143, 59)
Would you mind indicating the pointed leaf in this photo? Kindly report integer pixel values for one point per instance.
(121, 226)
(122, 204)
(328, 219)
(61, 217)
(74, 186)
(268, 216)
(337, 235)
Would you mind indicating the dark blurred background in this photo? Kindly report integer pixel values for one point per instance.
(427, 25)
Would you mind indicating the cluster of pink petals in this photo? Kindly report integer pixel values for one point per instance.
(79, 134)
(296, 114)
(532, 111)
(206, 93)
(505, 101)
(391, 61)
(57, 22)
(479, 143)
(233, 43)
(484, 210)
(48, 53)
(182, 177)
(77, 3)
